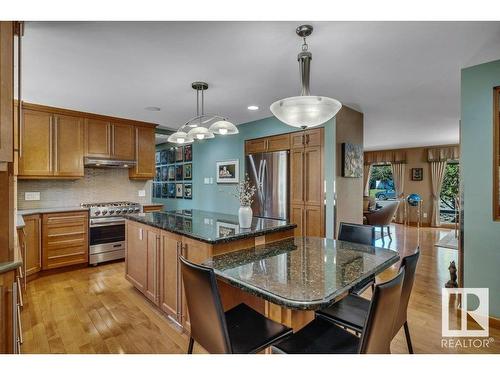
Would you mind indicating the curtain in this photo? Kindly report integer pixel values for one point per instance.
(443, 153)
(398, 176)
(438, 169)
(367, 171)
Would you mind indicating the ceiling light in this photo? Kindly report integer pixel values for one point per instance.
(223, 127)
(253, 107)
(306, 110)
(180, 137)
(153, 109)
(200, 132)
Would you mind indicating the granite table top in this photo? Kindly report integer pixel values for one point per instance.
(302, 273)
(210, 227)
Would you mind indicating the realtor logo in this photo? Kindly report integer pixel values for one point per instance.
(473, 311)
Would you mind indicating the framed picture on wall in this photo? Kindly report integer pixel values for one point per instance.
(164, 192)
(164, 173)
(171, 190)
(171, 173)
(171, 155)
(417, 174)
(188, 153)
(352, 160)
(179, 154)
(179, 190)
(158, 157)
(163, 157)
(158, 174)
(228, 172)
(188, 171)
(178, 173)
(188, 191)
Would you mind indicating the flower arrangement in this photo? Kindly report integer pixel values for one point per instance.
(245, 191)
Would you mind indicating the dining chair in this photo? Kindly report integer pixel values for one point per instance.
(352, 311)
(240, 330)
(383, 217)
(362, 234)
(322, 336)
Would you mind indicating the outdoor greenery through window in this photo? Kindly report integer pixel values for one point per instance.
(381, 183)
(449, 191)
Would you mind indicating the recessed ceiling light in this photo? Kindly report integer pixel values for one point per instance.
(253, 107)
(153, 109)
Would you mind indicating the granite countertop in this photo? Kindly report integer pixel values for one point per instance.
(303, 273)
(210, 227)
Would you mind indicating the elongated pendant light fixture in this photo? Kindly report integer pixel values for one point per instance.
(306, 110)
(202, 126)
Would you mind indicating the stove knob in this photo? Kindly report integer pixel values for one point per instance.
(104, 212)
(111, 212)
(97, 213)
(137, 209)
(118, 211)
(130, 210)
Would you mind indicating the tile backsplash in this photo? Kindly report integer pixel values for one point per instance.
(98, 185)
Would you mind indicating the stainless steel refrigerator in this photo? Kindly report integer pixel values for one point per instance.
(268, 171)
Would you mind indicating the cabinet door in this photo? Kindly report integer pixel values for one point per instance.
(253, 146)
(278, 143)
(68, 150)
(145, 152)
(36, 143)
(32, 256)
(297, 140)
(170, 274)
(97, 138)
(297, 217)
(123, 142)
(313, 221)
(6, 92)
(313, 137)
(153, 248)
(297, 176)
(313, 172)
(136, 255)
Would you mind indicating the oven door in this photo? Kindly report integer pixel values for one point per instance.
(106, 231)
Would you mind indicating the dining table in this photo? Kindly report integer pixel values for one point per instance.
(288, 280)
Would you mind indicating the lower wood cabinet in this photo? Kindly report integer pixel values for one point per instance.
(64, 239)
(170, 276)
(309, 220)
(136, 266)
(31, 246)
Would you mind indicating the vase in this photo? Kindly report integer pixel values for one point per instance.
(245, 216)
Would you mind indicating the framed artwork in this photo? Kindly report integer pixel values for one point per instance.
(157, 187)
(228, 172)
(158, 174)
(179, 154)
(171, 155)
(188, 191)
(352, 160)
(164, 173)
(188, 171)
(164, 192)
(178, 173)
(187, 212)
(158, 157)
(179, 190)
(170, 190)
(188, 153)
(188, 224)
(227, 229)
(417, 174)
(163, 157)
(171, 173)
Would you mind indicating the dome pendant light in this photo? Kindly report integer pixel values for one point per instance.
(306, 110)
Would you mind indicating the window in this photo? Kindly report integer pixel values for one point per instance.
(448, 211)
(381, 183)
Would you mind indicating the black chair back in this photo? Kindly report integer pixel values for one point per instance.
(362, 234)
(378, 330)
(208, 322)
(409, 263)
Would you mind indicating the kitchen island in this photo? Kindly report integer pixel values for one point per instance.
(155, 240)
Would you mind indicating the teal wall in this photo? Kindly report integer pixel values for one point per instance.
(217, 197)
(481, 233)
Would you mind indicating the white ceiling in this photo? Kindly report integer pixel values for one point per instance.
(404, 76)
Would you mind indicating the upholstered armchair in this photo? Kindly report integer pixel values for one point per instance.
(383, 217)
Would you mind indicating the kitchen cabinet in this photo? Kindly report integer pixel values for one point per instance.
(97, 138)
(170, 274)
(279, 142)
(152, 289)
(136, 256)
(123, 146)
(52, 145)
(145, 154)
(64, 239)
(6, 91)
(7, 318)
(32, 245)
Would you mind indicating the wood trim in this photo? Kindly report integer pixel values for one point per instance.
(71, 112)
(496, 153)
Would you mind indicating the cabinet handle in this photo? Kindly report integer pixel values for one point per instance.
(19, 89)
(15, 339)
(156, 280)
(19, 292)
(179, 289)
(19, 325)
(39, 248)
(56, 141)
(307, 138)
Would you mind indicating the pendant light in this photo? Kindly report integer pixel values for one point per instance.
(306, 110)
(202, 126)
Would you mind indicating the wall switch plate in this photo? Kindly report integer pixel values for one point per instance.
(141, 193)
(206, 180)
(211, 180)
(32, 196)
(425, 215)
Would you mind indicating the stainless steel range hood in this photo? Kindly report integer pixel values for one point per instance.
(108, 163)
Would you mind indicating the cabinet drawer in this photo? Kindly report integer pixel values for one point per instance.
(278, 142)
(255, 145)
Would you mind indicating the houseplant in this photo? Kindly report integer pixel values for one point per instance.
(245, 192)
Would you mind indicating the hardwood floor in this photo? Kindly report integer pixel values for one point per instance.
(95, 310)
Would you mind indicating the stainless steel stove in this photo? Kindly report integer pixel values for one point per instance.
(107, 229)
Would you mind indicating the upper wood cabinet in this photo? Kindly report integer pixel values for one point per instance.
(123, 146)
(145, 153)
(68, 146)
(6, 91)
(307, 138)
(97, 138)
(268, 144)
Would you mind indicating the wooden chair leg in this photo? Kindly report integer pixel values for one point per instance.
(190, 346)
(389, 232)
(408, 338)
